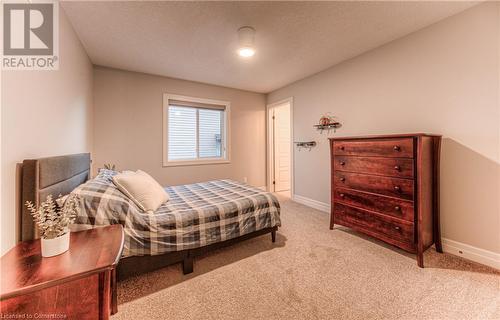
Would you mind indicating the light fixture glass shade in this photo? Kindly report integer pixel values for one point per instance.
(246, 37)
(246, 52)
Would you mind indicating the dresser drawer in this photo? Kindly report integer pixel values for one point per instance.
(394, 187)
(398, 208)
(380, 225)
(394, 148)
(392, 167)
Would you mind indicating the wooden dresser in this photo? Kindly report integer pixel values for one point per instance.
(388, 187)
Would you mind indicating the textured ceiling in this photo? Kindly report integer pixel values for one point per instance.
(198, 40)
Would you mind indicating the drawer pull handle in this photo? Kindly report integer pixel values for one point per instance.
(342, 163)
(342, 179)
(397, 208)
(397, 188)
(397, 168)
(397, 148)
(397, 228)
(342, 148)
(342, 195)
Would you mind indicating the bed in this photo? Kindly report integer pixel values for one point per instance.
(197, 219)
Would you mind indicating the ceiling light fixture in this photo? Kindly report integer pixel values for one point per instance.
(246, 37)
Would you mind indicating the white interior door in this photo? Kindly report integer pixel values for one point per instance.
(282, 156)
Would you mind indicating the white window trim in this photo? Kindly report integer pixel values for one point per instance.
(227, 131)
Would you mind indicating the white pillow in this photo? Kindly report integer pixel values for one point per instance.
(142, 189)
(155, 184)
(153, 181)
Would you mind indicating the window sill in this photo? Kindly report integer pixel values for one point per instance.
(195, 162)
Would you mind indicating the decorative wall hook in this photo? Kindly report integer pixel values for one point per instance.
(327, 122)
(328, 127)
(305, 144)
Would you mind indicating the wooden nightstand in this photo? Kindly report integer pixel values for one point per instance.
(78, 284)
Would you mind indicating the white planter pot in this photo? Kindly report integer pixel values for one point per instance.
(53, 247)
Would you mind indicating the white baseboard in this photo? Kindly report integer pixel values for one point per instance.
(469, 252)
(482, 256)
(321, 206)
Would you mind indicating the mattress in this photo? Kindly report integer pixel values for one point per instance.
(196, 215)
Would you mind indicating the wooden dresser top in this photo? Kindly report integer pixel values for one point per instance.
(23, 269)
(387, 136)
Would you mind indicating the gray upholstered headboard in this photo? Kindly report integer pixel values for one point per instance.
(53, 175)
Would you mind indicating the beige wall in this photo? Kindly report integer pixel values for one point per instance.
(44, 113)
(128, 127)
(443, 79)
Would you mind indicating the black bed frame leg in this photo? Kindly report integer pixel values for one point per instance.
(187, 265)
(273, 236)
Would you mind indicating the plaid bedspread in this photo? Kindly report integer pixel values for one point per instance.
(196, 214)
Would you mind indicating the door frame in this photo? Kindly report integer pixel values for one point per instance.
(270, 149)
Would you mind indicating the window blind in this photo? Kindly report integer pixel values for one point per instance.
(181, 133)
(210, 133)
(195, 132)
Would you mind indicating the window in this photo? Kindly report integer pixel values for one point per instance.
(195, 131)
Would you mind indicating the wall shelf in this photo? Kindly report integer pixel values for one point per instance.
(328, 127)
(305, 144)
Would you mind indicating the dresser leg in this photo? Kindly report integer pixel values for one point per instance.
(273, 236)
(436, 228)
(439, 246)
(420, 259)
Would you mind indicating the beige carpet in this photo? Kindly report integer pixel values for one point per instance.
(312, 272)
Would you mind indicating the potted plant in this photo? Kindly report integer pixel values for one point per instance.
(53, 219)
(110, 166)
